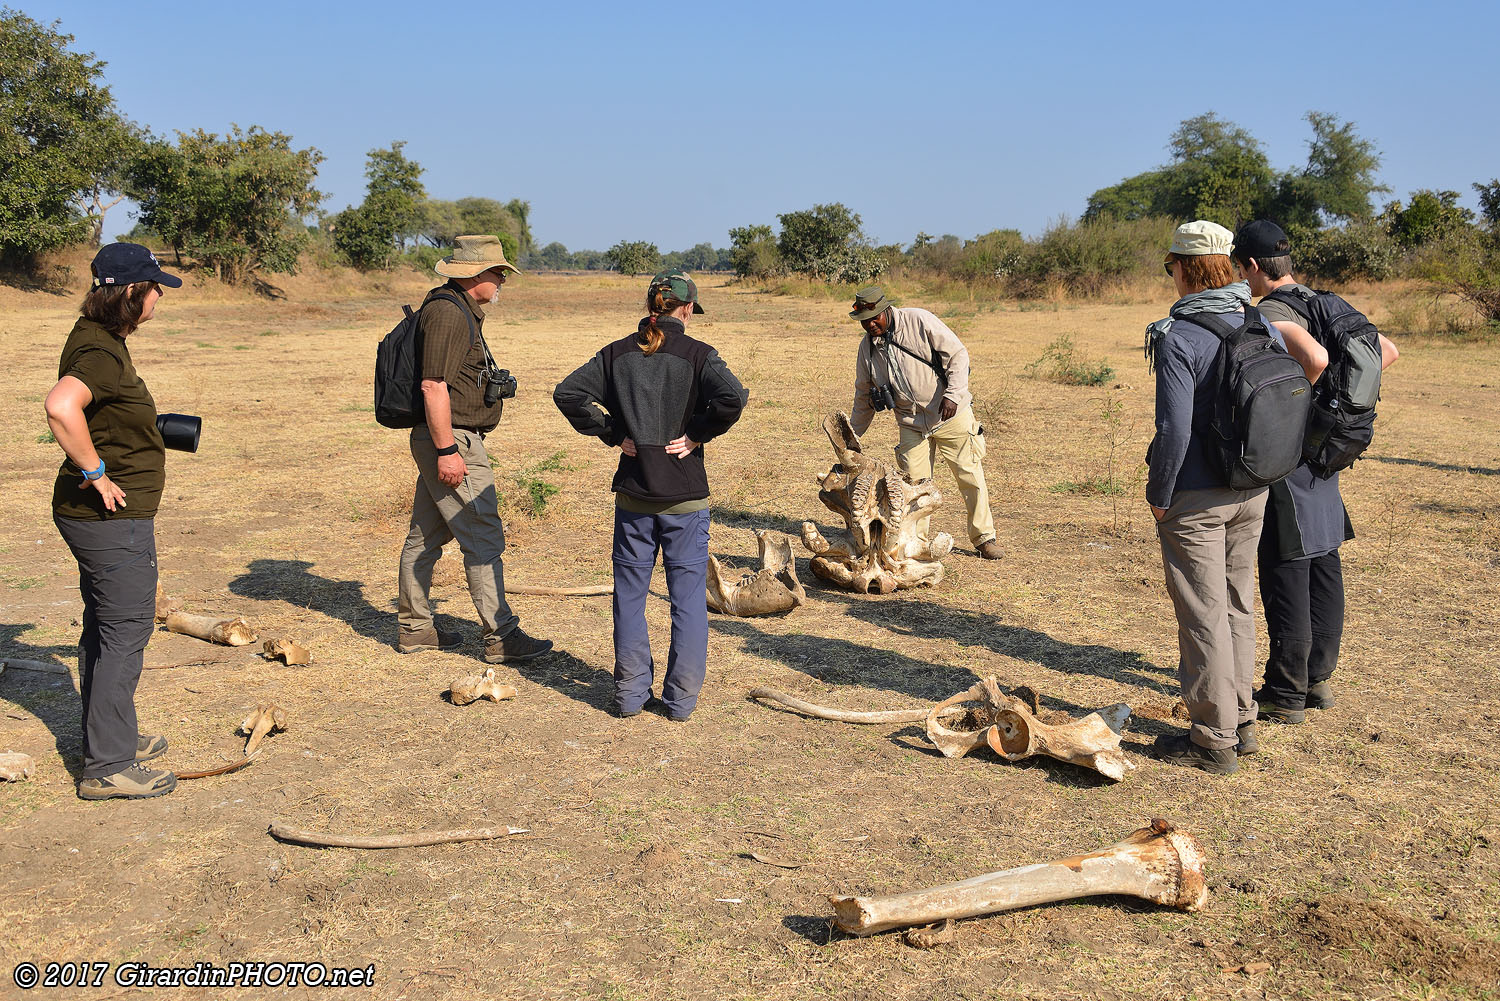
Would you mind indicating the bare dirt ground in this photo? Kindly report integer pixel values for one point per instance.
(1355, 857)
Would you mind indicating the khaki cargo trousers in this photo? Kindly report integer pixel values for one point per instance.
(439, 514)
(957, 442)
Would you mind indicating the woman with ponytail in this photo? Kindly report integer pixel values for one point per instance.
(658, 395)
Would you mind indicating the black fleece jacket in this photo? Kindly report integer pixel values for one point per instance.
(684, 387)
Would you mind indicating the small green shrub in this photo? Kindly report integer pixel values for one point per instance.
(46, 438)
(1089, 486)
(1062, 363)
(535, 491)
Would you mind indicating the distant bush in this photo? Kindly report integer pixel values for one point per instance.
(1347, 253)
(1062, 363)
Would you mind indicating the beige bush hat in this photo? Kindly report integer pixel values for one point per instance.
(474, 255)
(1194, 239)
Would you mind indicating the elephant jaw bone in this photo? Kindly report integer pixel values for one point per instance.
(1156, 863)
(774, 588)
(473, 687)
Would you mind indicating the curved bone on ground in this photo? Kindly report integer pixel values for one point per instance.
(473, 687)
(16, 767)
(215, 629)
(957, 743)
(1157, 863)
(844, 715)
(1090, 742)
(290, 652)
(266, 719)
(771, 589)
(37, 666)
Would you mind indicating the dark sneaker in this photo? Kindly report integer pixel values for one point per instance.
(1248, 743)
(1320, 696)
(672, 718)
(619, 713)
(989, 549)
(134, 782)
(147, 748)
(1179, 749)
(1272, 713)
(431, 638)
(513, 647)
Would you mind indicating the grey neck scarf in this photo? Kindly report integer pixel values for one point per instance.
(1228, 299)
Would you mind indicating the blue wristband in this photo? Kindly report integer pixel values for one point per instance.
(93, 474)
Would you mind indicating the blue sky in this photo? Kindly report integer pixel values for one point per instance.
(672, 123)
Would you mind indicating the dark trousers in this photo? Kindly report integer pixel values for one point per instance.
(117, 577)
(682, 540)
(1304, 603)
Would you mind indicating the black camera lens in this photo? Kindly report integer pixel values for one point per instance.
(179, 431)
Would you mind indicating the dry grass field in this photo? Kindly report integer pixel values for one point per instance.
(1355, 857)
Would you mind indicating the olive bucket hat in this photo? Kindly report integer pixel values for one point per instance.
(474, 255)
(868, 303)
(675, 283)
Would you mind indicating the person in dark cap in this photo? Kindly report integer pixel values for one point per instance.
(1301, 577)
(104, 504)
(658, 395)
(909, 362)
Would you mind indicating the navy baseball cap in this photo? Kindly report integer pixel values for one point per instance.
(128, 263)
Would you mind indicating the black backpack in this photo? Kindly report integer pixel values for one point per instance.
(398, 368)
(1341, 423)
(1261, 407)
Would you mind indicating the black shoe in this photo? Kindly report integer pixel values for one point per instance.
(513, 647)
(431, 638)
(1248, 743)
(1272, 713)
(619, 713)
(1179, 749)
(1320, 695)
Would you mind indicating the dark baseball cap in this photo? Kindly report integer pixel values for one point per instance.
(1261, 239)
(674, 283)
(128, 263)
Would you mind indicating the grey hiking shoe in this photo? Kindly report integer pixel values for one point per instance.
(513, 647)
(1248, 743)
(1320, 696)
(134, 782)
(147, 748)
(1179, 749)
(431, 638)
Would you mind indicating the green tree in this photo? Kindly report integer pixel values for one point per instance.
(700, 257)
(371, 236)
(1489, 204)
(753, 252)
(1137, 197)
(1336, 185)
(817, 241)
(633, 257)
(1428, 217)
(553, 257)
(230, 202)
(486, 215)
(441, 222)
(62, 142)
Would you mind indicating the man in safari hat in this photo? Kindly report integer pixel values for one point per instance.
(455, 494)
(912, 364)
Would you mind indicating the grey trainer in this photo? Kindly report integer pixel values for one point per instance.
(1248, 743)
(147, 748)
(134, 782)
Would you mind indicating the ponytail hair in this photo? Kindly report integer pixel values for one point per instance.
(657, 304)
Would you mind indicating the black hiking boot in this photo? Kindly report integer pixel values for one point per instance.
(1179, 749)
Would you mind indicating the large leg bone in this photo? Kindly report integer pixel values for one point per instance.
(774, 588)
(1093, 742)
(1156, 863)
(229, 632)
(845, 715)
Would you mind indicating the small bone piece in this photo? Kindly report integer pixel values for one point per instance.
(267, 718)
(472, 687)
(16, 767)
(929, 938)
(164, 605)
(844, 715)
(1157, 863)
(590, 590)
(771, 589)
(228, 632)
(284, 832)
(290, 652)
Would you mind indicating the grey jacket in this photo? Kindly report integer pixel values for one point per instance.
(914, 384)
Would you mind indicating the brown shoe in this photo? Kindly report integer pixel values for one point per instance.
(134, 782)
(431, 638)
(989, 549)
(513, 647)
(147, 748)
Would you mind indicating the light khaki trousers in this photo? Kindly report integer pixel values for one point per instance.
(440, 514)
(957, 443)
(1208, 547)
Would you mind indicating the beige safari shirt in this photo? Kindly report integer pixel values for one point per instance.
(914, 384)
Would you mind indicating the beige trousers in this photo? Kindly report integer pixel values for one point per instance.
(1208, 545)
(440, 514)
(957, 443)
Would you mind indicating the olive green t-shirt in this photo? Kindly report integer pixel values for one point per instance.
(453, 352)
(122, 424)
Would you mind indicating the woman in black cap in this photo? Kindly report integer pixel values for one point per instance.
(104, 503)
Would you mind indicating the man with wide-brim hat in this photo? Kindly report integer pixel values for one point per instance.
(912, 364)
(463, 394)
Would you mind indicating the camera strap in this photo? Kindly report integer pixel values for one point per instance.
(932, 362)
(474, 332)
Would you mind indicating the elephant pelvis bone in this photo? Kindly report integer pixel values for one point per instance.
(771, 589)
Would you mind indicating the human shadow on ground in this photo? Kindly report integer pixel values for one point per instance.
(562, 672)
(293, 581)
(737, 518)
(51, 698)
(1445, 466)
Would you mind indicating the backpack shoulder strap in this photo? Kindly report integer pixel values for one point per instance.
(1302, 307)
(1212, 322)
(468, 314)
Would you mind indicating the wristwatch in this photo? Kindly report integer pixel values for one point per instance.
(450, 450)
(93, 474)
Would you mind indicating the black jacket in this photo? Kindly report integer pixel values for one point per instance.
(682, 388)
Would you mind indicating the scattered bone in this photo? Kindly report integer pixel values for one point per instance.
(290, 652)
(267, 718)
(228, 632)
(881, 550)
(16, 767)
(560, 592)
(930, 937)
(771, 589)
(233, 766)
(957, 743)
(844, 715)
(165, 606)
(1156, 863)
(36, 666)
(284, 832)
(472, 687)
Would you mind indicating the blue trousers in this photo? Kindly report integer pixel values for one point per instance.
(682, 540)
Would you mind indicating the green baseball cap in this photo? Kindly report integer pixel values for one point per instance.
(674, 283)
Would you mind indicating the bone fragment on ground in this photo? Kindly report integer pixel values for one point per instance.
(285, 832)
(266, 719)
(165, 606)
(587, 591)
(1157, 863)
(16, 767)
(213, 628)
(844, 715)
(929, 938)
(472, 687)
(35, 666)
(771, 589)
(289, 652)
(881, 549)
